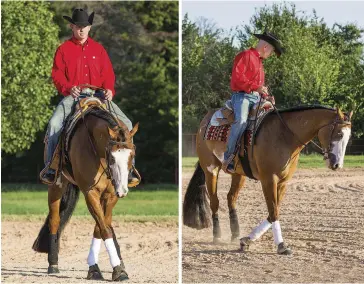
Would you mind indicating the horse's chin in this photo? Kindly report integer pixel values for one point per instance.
(335, 167)
(122, 191)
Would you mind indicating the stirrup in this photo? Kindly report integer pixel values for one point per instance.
(43, 172)
(226, 163)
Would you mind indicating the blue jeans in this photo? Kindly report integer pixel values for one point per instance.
(242, 103)
(63, 110)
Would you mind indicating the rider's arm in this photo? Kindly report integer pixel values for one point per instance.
(59, 74)
(107, 72)
(245, 72)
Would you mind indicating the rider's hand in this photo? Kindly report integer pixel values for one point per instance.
(272, 100)
(108, 95)
(263, 90)
(75, 91)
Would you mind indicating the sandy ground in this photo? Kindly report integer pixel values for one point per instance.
(149, 251)
(322, 220)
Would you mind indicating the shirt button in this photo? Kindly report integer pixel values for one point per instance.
(86, 74)
(85, 65)
(93, 57)
(84, 57)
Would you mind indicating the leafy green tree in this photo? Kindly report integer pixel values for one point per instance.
(322, 65)
(29, 39)
(206, 66)
(308, 71)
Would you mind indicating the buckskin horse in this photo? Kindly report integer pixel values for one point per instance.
(100, 154)
(282, 136)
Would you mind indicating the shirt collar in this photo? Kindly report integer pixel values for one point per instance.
(255, 52)
(76, 41)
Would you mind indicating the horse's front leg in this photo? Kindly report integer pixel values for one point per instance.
(103, 221)
(237, 183)
(273, 193)
(94, 272)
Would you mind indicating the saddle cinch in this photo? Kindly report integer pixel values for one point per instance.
(219, 126)
(60, 161)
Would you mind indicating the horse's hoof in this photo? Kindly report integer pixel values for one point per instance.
(245, 243)
(234, 239)
(284, 249)
(94, 273)
(52, 269)
(119, 274)
(217, 240)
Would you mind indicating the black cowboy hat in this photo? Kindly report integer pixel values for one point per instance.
(80, 18)
(272, 40)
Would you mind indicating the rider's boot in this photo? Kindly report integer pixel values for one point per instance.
(49, 176)
(134, 177)
(228, 165)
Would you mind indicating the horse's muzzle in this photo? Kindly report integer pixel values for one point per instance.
(121, 195)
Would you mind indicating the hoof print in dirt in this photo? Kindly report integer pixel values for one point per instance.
(119, 274)
(94, 273)
(53, 269)
(284, 249)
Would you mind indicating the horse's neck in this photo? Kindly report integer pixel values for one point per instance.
(306, 124)
(99, 132)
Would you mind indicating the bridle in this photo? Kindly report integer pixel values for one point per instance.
(108, 157)
(332, 126)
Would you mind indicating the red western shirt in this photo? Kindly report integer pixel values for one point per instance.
(75, 64)
(248, 71)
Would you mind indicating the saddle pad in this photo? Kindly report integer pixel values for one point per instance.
(217, 133)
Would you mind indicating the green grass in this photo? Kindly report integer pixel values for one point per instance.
(145, 203)
(305, 162)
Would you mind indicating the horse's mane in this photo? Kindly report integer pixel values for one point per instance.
(111, 120)
(305, 107)
(105, 116)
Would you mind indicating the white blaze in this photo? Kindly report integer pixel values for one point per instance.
(120, 170)
(339, 147)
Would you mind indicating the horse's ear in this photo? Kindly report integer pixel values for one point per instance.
(135, 129)
(350, 115)
(111, 132)
(340, 113)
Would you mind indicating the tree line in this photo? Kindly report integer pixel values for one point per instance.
(141, 39)
(322, 64)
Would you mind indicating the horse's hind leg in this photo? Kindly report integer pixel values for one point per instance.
(211, 184)
(237, 183)
(55, 193)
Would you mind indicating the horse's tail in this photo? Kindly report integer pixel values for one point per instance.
(195, 206)
(67, 206)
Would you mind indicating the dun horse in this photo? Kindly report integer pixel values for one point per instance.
(277, 147)
(98, 148)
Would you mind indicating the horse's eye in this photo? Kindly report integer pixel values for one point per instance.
(340, 134)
